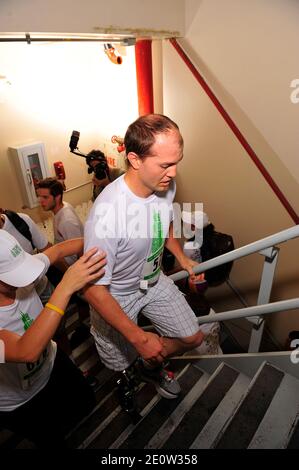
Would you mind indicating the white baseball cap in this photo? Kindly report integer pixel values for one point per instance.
(17, 268)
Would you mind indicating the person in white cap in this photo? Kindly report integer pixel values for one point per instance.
(42, 393)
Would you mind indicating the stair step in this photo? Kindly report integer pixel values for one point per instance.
(104, 376)
(105, 436)
(294, 440)
(79, 350)
(145, 430)
(89, 352)
(198, 415)
(106, 404)
(90, 363)
(208, 436)
(275, 429)
(250, 413)
(178, 414)
(107, 433)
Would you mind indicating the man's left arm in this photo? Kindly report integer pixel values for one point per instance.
(59, 251)
(173, 245)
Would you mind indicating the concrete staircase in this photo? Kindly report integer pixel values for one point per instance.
(230, 401)
(221, 406)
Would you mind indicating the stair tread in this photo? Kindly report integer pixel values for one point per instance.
(105, 437)
(209, 434)
(274, 430)
(244, 424)
(172, 422)
(144, 431)
(294, 440)
(106, 404)
(202, 409)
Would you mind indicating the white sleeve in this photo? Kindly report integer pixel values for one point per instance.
(40, 241)
(108, 244)
(70, 229)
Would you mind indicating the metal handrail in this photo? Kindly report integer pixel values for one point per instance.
(266, 247)
(259, 310)
(246, 250)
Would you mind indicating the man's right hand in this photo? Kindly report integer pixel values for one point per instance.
(151, 348)
(148, 345)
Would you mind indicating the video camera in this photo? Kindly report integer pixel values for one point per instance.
(101, 168)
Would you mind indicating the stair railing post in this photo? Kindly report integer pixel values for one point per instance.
(271, 258)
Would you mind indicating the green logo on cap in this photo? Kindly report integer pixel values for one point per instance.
(16, 250)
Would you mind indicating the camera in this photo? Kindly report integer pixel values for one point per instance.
(97, 163)
(95, 160)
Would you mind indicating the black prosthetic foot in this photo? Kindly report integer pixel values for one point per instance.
(126, 390)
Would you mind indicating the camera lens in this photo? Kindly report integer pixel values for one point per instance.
(99, 170)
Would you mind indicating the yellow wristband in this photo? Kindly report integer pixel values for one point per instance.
(56, 309)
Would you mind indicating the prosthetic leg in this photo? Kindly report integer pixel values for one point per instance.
(127, 386)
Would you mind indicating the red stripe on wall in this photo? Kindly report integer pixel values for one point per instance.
(237, 132)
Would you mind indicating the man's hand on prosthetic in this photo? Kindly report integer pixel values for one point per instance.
(150, 348)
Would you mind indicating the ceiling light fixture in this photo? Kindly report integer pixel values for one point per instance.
(110, 52)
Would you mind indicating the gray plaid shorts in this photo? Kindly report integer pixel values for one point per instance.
(163, 304)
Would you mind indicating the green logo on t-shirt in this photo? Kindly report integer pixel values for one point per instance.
(158, 240)
(151, 268)
(27, 321)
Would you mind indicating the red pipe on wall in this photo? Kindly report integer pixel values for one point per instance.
(237, 132)
(143, 58)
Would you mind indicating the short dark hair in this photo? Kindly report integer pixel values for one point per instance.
(140, 135)
(55, 187)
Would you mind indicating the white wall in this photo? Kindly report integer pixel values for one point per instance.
(140, 17)
(56, 88)
(247, 53)
(251, 49)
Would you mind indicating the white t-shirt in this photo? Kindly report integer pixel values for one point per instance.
(19, 382)
(39, 239)
(67, 225)
(132, 231)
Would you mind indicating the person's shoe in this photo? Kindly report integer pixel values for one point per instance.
(166, 384)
